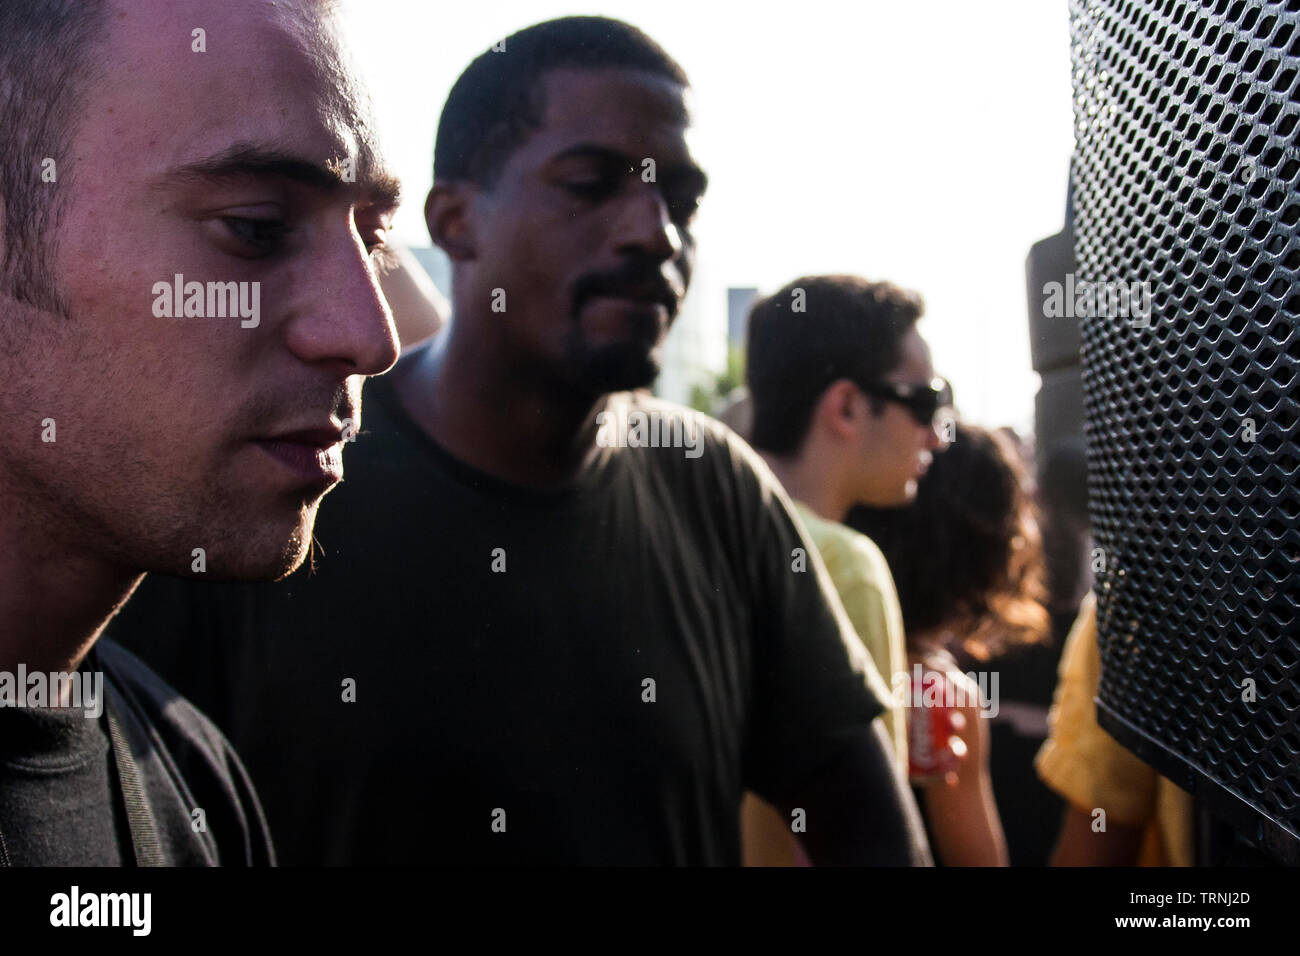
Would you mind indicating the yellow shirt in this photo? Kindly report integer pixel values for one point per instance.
(866, 589)
(1090, 769)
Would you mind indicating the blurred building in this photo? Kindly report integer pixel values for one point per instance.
(1031, 813)
(691, 355)
(1054, 344)
(438, 266)
(739, 302)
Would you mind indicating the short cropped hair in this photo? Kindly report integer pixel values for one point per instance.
(47, 54)
(813, 332)
(499, 100)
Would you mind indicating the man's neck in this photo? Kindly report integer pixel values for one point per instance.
(54, 600)
(815, 483)
(498, 423)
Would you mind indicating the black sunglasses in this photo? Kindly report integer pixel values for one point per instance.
(922, 401)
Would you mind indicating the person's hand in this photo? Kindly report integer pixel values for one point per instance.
(957, 749)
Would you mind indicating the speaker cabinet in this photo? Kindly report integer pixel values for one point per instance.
(1186, 183)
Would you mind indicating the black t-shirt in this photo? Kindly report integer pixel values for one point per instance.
(59, 792)
(477, 673)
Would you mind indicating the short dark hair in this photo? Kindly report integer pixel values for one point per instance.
(966, 554)
(499, 99)
(813, 332)
(46, 53)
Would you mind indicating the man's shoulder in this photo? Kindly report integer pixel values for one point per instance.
(186, 763)
(690, 457)
(642, 411)
(671, 434)
(174, 718)
(849, 555)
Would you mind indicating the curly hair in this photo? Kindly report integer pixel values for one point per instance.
(966, 555)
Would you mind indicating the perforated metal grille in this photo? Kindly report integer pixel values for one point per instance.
(1187, 177)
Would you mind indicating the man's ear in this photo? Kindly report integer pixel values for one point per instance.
(447, 213)
(840, 408)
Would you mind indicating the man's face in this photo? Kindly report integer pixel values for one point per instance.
(895, 450)
(587, 231)
(186, 432)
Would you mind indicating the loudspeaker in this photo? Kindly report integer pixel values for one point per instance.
(1186, 185)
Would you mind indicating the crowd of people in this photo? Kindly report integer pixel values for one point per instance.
(502, 640)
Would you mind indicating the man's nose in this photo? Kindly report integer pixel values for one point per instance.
(934, 436)
(646, 225)
(343, 318)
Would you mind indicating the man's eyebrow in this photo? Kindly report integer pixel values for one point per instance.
(260, 162)
(687, 174)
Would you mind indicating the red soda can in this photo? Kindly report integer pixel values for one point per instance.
(929, 726)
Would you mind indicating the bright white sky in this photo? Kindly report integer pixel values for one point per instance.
(924, 143)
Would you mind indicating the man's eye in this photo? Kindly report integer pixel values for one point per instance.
(263, 236)
(590, 189)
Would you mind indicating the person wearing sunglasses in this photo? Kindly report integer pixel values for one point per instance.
(922, 402)
(591, 692)
(845, 405)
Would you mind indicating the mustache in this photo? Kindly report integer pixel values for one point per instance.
(638, 279)
(291, 406)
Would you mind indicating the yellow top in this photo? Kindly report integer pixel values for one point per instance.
(866, 589)
(1091, 770)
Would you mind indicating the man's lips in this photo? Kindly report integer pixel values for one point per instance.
(650, 316)
(646, 295)
(632, 301)
(314, 454)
